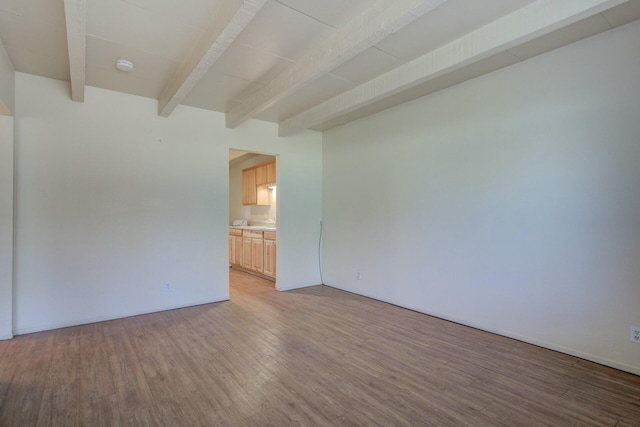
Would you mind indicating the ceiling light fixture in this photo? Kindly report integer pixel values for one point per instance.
(124, 65)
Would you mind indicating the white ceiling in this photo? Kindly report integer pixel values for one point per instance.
(281, 58)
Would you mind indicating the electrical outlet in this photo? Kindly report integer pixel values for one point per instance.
(167, 287)
(635, 334)
(358, 275)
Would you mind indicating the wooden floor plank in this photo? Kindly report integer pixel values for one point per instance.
(101, 412)
(313, 356)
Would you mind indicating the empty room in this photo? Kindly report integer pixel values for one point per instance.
(302, 212)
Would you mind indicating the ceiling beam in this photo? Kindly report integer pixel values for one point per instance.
(229, 21)
(382, 19)
(75, 13)
(525, 24)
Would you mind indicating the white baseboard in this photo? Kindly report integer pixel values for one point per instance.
(292, 287)
(40, 328)
(529, 340)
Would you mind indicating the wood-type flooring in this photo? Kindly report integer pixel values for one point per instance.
(315, 356)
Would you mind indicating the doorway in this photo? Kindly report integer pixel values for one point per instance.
(253, 214)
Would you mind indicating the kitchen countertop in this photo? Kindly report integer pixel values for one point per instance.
(253, 227)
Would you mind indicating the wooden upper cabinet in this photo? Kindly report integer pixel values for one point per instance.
(261, 175)
(271, 172)
(249, 189)
(255, 183)
(266, 173)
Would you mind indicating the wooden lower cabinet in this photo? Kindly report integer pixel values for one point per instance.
(257, 255)
(235, 246)
(270, 258)
(246, 253)
(253, 251)
(232, 250)
(235, 250)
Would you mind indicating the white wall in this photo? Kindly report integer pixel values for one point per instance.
(510, 202)
(6, 226)
(7, 83)
(236, 209)
(113, 201)
(7, 93)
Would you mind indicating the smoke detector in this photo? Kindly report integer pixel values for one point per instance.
(124, 65)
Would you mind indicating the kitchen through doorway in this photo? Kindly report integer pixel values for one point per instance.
(253, 214)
